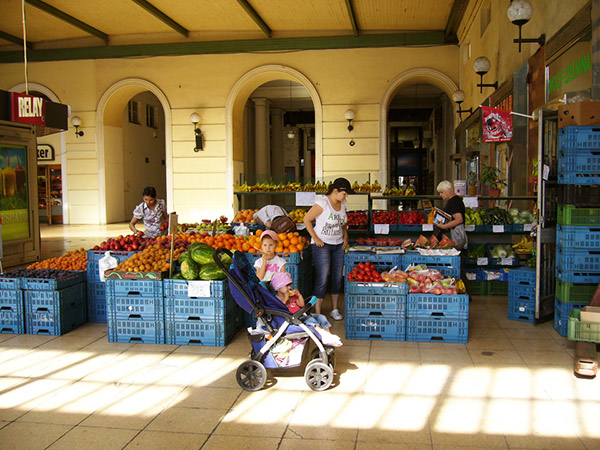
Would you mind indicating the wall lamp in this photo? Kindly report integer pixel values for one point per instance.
(519, 12)
(76, 122)
(195, 118)
(349, 116)
(459, 97)
(481, 66)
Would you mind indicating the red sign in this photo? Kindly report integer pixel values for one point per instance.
(497, 125)
(28, 109)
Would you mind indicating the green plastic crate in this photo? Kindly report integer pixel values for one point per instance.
(570, 215)
(575, 293)
(477, 287)
(498, 287)
(582, 331)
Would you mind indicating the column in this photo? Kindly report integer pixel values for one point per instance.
(277, 170)
(261, 120)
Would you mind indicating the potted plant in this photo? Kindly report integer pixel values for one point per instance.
(491, 176)
(473, 180)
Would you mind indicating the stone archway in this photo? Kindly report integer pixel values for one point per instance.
(412, 76)
(109, 111)
(234, 113)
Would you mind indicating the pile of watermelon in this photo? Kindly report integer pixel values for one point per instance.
(198, 263)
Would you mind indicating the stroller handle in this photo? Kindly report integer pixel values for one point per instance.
(217, 256)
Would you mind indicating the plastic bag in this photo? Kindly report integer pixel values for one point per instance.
(106, 262)
(241, 230)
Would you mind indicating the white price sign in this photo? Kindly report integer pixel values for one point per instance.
(498, 228)
(528, 226)
(198, 288)
(482, 261)
(507, 261)
(427, 227)
(382, 228)
(471, 202)
(469, 227)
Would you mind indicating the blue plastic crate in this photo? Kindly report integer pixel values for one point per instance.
(96, 291)
(214, 309)
(43, 322)
(136, 331)
(562, 311)
(577, 276)
(578, 178)
(56, 302)
(179, 288)
(93, 274)
(578, 237)
(580, 160)
(201, 332)
(521, 310)
(437, 329)
(383, 288)
(568, 259)
(135, 307)
(50, 284)
(524, 276)
(431, 305)
(381, 262)
(447, 265)
(375, 326)
(575, 138)
(296, 271)
(97, 311)
(356, 304)
(520, 292)
(9, 283)
(12, 322)
(11, 300)
(134, 288)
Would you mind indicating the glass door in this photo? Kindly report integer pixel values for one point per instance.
(50, 194)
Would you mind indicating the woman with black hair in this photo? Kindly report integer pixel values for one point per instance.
(153, 212)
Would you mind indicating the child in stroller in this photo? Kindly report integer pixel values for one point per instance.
(283, 341)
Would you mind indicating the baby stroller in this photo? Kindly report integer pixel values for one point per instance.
(280, 340)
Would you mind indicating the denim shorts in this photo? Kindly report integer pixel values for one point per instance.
(318, 320)
(328, 262)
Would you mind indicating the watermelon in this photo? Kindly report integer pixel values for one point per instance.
(201, 253)
(210, 271)
(189, 269)
(178, 276)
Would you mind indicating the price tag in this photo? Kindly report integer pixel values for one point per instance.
(427, 227)
(482, 261)
(469, 227)
(546, 173)
(198, 288)
(528, 226)
(471, 202)
(382, 228)
(305, 198)
(507, 261)
(498, 228)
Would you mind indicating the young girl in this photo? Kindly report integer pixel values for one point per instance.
(294, 301)
(269, 263)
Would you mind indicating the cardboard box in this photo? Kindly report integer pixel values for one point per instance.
(590, 314)
(580, 114)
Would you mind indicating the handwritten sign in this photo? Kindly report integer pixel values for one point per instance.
(507, 261)
(528, 226)
(482, 261)
(382, 228)
(498, 228)
(427, 227)
(471, 202)
(198, 288)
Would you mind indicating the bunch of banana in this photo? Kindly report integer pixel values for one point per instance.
(297, 215)
(523, 246)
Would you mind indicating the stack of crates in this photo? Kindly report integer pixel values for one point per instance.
(437, 318)
(200, 313)
(375, 311)
(96, 289)
(578, 229)
(135, 311)
(449, 266)
(54, 306)
(521, 294)
(12, 316)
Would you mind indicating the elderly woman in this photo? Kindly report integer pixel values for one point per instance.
(153, 213)
(456, 209)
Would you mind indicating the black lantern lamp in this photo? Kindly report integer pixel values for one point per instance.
(481, 66)
(459, 97)
(519, 12)
(195, 118)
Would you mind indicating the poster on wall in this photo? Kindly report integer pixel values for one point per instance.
(14, 193)
(497, 125)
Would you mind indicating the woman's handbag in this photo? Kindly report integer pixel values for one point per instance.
(274, 218)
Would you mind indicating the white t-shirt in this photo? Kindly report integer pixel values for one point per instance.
(273, 265)
(328, 225)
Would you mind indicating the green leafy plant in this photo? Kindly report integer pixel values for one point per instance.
(473, 178)
(491, 176)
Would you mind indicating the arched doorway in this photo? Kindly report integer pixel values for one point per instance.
(115, 130)
(234, 110)
(419, 76)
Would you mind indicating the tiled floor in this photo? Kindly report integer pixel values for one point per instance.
(511, 386)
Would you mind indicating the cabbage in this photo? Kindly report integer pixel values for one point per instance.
(514, 212)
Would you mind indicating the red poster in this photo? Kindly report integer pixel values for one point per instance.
(497, 125)
(28, 109)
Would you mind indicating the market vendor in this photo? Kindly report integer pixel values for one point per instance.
(455, 208)
(152, 211)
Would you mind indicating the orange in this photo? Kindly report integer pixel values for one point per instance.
(300, 247)
(279, 249)
(286, 243)
(282, 236)
(290, 236)
(258, 232)
(294, 240)
(293, 249)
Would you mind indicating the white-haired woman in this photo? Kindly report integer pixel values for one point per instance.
(456, 209)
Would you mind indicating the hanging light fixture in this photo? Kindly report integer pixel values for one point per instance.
(290, 133)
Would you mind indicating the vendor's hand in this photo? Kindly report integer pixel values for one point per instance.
(319, 242)
(345, 244)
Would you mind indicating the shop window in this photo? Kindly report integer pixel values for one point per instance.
(132, 112)
(150, 116)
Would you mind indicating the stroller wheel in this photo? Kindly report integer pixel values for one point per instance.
(251, 375)
(316, 356)
(318, 376)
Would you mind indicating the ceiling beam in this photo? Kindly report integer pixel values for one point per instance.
(427, 38)
(254, 15)
(352, 17)
(162, 17)
(69, 19)
(14, 39)
(454, 19)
